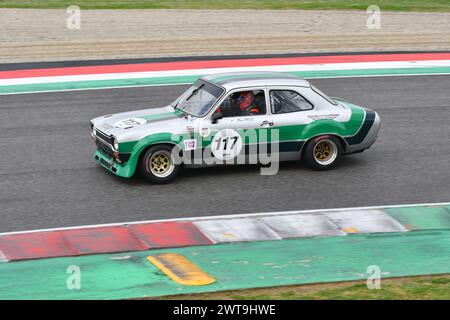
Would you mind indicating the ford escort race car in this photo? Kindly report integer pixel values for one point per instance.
(234, 118)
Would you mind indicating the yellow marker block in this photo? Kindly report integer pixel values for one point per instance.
(229, 235)
(180, 269)
(350, 230)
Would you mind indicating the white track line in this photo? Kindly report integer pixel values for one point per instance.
(101, 88)
(231, 216)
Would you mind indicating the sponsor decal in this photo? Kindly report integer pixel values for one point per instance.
(204, 132)
(226, 144)
(324, 117)
(129, 123)
(106, 126)
(246, 119)
(190, 144)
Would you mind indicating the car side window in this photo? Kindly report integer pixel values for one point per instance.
(243, 103)
(285, 101)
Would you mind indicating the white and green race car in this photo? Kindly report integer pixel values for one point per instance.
(234, 118)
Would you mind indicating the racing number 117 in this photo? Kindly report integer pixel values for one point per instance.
(223, 143)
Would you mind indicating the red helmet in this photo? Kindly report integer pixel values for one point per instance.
(246, 99)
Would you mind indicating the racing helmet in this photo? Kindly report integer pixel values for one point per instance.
(245, 100)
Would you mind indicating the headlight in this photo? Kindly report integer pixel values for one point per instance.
(94, 132)
(116, 144)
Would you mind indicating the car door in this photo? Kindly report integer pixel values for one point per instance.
(290, 113)
(235, 138)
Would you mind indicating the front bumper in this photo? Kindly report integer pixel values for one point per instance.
(125, 170)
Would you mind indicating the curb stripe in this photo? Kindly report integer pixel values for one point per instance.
(423, 219)
(303, 226)
(185, 80)
(102, 240)
(34, 245)
(237, 230)
(181, 65)
(365, 221)
(119, 61)
(235, 266)
(169, 234)
(314, 68)
(231, 216)
(82, 241)
(136, 237)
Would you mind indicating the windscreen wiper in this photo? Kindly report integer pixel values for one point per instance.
(194, 92)
(176, 104)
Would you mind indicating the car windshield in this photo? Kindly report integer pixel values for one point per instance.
(198, 99)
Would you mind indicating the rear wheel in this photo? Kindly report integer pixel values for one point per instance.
(322, 153)
(158, 165)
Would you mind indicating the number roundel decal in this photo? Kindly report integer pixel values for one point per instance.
(130, 122)
(226, 144)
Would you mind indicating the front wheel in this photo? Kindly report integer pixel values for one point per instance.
(322, 153)
(158, 165)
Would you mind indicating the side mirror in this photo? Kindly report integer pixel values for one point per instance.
(216, 117)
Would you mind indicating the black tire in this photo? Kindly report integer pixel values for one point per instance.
(322, 152)
(164, 168)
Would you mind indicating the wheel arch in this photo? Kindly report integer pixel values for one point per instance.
(145, 149)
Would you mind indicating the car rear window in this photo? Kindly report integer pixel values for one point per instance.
(323, 95)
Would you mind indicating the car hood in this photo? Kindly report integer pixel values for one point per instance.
(133, 125)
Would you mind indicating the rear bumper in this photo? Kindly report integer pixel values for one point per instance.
(122, 170)
(368, 138)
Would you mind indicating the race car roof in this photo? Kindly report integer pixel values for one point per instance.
(246, 79)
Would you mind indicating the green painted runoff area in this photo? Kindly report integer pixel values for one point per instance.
(234, 265)
(422, 218)
(161, 81)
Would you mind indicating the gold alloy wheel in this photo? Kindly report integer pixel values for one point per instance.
(161, 163)
(325, 152)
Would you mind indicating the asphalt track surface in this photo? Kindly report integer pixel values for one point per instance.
(48, 178)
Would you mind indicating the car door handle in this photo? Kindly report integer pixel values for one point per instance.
(266, 124)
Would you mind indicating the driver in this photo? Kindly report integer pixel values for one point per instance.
(247, 103)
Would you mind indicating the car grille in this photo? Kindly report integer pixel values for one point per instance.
(104, 137)
(107, 150)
